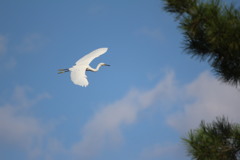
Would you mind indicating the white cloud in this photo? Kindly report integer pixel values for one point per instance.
(19, 129)
(104, 129)
(203, 99)
(163, 151)
(30, 43)
(21, 100)
(207, 99)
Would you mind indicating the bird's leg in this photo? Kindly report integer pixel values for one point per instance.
(63, 71)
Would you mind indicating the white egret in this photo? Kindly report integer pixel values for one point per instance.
(78, 75)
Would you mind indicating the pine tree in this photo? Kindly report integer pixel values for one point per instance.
(219, 140)
(211, 32)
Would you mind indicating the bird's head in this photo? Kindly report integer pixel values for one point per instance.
(104, 64)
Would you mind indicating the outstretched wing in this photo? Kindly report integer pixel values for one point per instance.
(78, 76)
(92, 55)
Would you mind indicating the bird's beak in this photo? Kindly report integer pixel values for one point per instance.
(106, 65)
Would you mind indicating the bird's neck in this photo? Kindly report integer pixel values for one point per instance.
(94, 69)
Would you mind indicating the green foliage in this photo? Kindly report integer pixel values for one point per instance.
(212, 32)
(219, 140)
(179, 7)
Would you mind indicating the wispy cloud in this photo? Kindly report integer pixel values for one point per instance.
(29, 44)
(204, 98)
(163, 151)
(104, 129)
(207, 98)
(17, 127)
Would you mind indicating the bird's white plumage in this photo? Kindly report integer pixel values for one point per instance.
(87, 59)
(78, 75)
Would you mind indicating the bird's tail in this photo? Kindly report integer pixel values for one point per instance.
(63, 71)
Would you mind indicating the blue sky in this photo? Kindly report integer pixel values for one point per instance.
(137, 109)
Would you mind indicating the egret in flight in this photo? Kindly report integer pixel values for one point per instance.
(78, 75)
